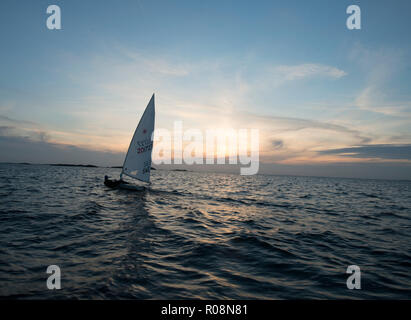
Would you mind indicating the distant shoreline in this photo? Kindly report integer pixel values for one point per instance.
(203, 171)
(67, 165)
(72, 165)
(53, 164)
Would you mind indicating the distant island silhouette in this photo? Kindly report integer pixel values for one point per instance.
(73, 165)
(121, 167)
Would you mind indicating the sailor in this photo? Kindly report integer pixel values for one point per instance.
(113, 183)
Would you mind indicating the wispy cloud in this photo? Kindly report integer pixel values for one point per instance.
(301, 71)
(22, 128)
(7, 119)
(379, 151)
(380, 68)
(157, 64)
(373, 99)
(25, 149)
(205, 94)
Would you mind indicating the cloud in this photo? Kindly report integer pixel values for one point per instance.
(373, 99)
(285, 139)
(21, 149)
(277, 144)
(374, 170)
(22, 128)
(203, 94)
(11, 120)
(158, 65)
(5, 130)
(25, 149)
(296, 72)
(380, 66)
(377, 151)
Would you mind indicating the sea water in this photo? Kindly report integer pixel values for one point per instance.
(201, 235)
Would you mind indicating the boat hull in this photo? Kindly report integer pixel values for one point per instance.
(130, 187)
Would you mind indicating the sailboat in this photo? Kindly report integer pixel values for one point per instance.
(137, 164)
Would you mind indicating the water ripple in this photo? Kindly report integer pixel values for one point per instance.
(201, 235)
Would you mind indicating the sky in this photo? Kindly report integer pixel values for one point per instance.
(326, 100)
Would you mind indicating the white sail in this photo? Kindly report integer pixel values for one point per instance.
(138, 159)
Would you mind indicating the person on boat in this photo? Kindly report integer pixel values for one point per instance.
(113, 183)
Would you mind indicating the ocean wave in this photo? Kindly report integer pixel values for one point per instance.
(205, 236)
